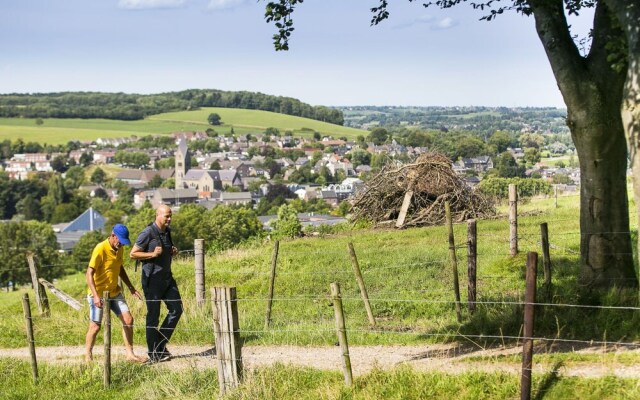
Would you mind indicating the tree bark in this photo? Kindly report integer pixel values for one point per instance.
(628, 14)
(593, 92)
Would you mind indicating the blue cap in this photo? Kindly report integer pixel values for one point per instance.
(122, 233)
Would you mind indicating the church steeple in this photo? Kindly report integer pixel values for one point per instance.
(182, 163)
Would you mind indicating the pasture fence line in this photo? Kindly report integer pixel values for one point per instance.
(529, 304)
(229, 316)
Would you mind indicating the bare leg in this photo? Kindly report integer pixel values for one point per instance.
(127, 336)
(92, 332)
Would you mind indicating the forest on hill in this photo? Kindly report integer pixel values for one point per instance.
(131, 107)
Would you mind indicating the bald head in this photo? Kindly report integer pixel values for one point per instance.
(163, 209)
(163, 217)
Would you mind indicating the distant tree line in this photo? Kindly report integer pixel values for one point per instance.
(481, 120)
(129, 107)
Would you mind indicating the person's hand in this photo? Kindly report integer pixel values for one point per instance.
(97, 301)
(174, 250)
(157, 251)
(135, 293)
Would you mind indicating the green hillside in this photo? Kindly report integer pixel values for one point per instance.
(408, 276)
(60, 131)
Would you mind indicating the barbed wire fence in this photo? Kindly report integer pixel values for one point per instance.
(316, 324)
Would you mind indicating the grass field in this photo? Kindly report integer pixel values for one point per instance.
(60, 131)
(408, 277)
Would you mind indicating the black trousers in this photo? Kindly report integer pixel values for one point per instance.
(159, 290)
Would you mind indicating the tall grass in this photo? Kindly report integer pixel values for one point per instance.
(408, 278)
(283, 382)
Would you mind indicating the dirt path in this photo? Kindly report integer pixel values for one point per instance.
(442, 358)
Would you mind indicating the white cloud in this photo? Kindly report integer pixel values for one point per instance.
(424, 19)
(445, 23)
(149, 4)
(225, 4)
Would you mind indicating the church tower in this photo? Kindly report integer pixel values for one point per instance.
(182, 163)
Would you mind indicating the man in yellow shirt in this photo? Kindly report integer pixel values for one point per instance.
(105, 266)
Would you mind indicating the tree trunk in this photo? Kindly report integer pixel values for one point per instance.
(592, 91)
(628, 14)
(605, 244)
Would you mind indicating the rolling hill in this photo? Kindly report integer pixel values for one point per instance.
(60, 131)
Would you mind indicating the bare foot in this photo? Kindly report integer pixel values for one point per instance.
(88, 358)
(137, 359)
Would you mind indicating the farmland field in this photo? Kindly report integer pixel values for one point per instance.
(60, 131)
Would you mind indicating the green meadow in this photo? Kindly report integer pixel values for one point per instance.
(60, 131)
(408, 275)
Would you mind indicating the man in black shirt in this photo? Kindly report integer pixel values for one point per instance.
(155, 249)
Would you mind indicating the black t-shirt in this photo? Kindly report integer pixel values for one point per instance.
(148, 240)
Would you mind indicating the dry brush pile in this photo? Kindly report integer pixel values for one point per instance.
(428, 182)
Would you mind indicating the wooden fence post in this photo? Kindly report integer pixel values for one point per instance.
(406, 203)
(529, 314)
(198, 249)
(555, 194)
(65, 298)
(227, 333)
(363, 289)
(546, 259)
(454, 261)
(472, 257)
(341, 331)
(106, 322)
(272, 282)
(41, 296)
(26, 307)
(513, 219)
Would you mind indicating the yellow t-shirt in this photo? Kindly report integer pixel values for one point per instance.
(106, 264)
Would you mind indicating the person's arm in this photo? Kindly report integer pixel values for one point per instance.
(125, 279)
(138, 253)
(97, 301)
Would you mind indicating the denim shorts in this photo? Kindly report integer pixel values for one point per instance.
(118, 306)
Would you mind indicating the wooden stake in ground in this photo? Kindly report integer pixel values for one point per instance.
(403, 210)
(227, 333)
(41, 296)
(106, 322)
(454, 261)
(341, 331)
(472, 256)
(513, 219)
(529, 310)
(198, 250)
(26, 307)
(546, 259)
(272, 282)
(363, 289)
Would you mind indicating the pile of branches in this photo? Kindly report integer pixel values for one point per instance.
(428, 183)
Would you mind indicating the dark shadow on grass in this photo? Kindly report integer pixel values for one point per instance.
(562, 325)
(548, 381)
(206, 353)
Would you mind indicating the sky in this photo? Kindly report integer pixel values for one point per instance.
(418, 57)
